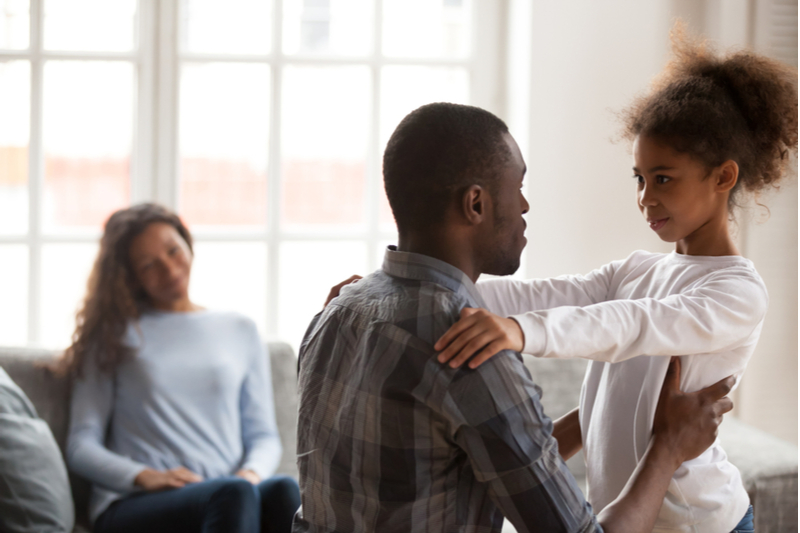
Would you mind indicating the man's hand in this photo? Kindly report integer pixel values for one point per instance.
(687, 423)
(476, 329)
(153, 480)
(336, 288)
(250, 476)
(685, 426)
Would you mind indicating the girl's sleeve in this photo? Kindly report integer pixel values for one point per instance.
(90, 412)
(716, 315)
(506, 297)
(262, 444)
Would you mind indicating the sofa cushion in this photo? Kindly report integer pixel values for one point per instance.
(35, 494)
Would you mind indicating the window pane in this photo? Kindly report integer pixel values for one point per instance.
(426, 28)
(325, 123)
(65, 271)
(97, 25)
(14, 24)
(304, 285)
(230, 27)
(224, 137)
(14, 131)
(341, 27)
(88, 125)
(231, 276)
(405, 88)
(14, 295)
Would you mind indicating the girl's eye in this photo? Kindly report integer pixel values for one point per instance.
(639, 179)
(662, 179)
(173, 250)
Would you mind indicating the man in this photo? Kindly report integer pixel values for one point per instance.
(389, 439)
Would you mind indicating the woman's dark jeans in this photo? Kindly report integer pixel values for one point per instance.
(222, 505)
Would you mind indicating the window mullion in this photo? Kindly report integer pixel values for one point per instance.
(35, 175)
(373, 186)
(165, 105)
(144, 139)
(274, 171)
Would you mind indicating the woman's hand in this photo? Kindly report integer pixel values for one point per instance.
(249, 475)
(336, 288)
(153, 480)
(476, 329)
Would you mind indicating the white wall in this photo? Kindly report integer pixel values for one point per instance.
(587, 60)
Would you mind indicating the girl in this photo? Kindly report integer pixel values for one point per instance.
(711, 130)
(172, 417)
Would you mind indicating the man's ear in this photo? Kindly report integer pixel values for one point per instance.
(727, 175)
(474, 203)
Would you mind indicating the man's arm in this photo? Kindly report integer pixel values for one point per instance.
(511, 447)
(685, 426)
(567, 431)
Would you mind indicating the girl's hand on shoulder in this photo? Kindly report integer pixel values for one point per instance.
(250, 476)
(478, 329)
(154, 480)
(338, 287)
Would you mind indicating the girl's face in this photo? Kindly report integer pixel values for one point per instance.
(161, 261)
(681, 199)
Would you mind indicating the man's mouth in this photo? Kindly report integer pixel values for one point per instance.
(657, 223)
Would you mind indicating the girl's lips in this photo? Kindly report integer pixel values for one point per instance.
(657, 224)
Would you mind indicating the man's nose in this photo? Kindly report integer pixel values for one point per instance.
(525, 205)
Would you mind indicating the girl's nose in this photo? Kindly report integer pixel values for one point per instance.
(646, 197)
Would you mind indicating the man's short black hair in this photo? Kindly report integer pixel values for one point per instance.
(439, 150)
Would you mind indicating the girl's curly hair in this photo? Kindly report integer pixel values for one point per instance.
(113, 297)
(741, 106)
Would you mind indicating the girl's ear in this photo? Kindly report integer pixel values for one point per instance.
(474, 202)
(727, 175)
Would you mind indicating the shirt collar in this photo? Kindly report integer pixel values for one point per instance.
(425, 268)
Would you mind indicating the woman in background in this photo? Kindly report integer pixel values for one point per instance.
(172, 416)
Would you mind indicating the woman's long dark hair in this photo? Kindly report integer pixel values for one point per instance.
(113, 297)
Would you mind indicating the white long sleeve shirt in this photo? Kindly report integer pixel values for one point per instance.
(709, 310)
(197, 394)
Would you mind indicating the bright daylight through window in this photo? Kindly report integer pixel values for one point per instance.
(261, 122)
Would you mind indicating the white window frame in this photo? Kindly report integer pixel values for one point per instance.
(154, 157)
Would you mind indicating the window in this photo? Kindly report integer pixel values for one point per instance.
(261, 122)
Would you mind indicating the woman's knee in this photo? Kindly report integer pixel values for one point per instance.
(280, 487)
(235, 495)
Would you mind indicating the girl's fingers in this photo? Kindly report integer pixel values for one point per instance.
(487, 353)
(456, 347)
(477, 342)
(467, 320)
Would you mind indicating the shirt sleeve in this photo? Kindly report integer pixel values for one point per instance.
(716, 315)
(262, 443)
(506, 296)
(90, 412)
(500, 425)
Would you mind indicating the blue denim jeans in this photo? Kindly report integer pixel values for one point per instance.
(222, 505)
(746, 525)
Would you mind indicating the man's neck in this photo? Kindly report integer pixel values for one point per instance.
(448, 248)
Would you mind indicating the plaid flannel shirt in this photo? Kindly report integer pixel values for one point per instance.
(389, 439)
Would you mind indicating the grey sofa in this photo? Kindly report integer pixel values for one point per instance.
(768, 464)
(50, 395)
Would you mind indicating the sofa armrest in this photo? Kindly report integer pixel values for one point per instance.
(283, 363)
(769, 472)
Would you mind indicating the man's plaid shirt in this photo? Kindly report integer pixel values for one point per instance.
(391, 440)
